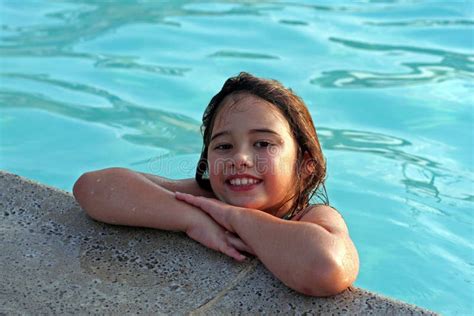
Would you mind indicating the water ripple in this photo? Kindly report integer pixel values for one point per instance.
(420, 175)
(423, 23)
(236, 54)
(370, 142)
(91, 19)
(453, 65)
(293, 22)
(337, 7)
(130, 64)
(151, 127)
(98, 18)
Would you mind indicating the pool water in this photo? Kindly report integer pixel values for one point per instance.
(93, 84)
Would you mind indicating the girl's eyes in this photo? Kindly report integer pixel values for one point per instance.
(258, 144)
(223, 147)
(263, 144)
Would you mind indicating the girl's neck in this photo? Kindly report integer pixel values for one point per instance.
(281, 210)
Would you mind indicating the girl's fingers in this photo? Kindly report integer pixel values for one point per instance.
(237, 243)
(233, 253)
(185, 197)
(216, 209)
(203, 203)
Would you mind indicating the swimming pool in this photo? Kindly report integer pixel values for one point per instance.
(93, 84)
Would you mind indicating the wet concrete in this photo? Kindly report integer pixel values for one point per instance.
(56, 260)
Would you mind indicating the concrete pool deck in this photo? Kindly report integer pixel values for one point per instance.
(56, 260)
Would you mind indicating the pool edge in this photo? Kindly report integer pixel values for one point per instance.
(31, 206)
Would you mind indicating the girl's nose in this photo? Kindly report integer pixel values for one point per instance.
(242, 159)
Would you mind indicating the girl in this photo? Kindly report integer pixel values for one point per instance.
(261, 162)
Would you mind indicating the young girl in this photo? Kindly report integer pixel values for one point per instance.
(260, 164)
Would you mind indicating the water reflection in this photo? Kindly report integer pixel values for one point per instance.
(375, 143)
(423, 23)
(95, 18)
(151, 127)
(420, 181)
(421, 176)
(131, 63)
(451, 66)
(237, 54)
(91, 19)
(293, 22)
(88, 20)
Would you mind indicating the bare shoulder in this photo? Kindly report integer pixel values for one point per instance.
(326, 216)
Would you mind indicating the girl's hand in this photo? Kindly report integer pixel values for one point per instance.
(220, 212)
(238, 243)
(212, 235)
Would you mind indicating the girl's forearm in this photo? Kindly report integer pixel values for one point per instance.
(189, 186)
(303, 255)
(123, 197)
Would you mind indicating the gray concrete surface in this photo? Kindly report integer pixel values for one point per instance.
(56, 260)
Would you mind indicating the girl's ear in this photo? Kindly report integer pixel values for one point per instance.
(308, 166)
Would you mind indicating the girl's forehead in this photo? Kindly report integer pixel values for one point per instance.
(248, 107)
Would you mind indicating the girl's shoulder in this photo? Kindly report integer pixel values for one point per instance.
(324, 215)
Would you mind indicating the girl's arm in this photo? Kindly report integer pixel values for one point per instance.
(123, 197)
(314, 255)
(182, 185)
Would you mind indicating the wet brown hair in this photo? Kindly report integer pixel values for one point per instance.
(301, 125)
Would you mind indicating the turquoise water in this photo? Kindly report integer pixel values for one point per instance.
(93, 84)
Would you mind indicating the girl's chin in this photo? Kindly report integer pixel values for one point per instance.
(243, 203)
(252, 205)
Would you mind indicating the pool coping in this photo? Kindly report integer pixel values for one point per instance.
(57, 260)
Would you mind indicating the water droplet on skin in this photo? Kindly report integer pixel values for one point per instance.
(98, 180)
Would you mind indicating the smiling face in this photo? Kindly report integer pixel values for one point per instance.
(252, 155)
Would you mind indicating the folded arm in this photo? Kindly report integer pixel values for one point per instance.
(182, 185)
(123, 197)
(313, 255)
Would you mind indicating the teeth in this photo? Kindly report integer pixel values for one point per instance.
(243, 181)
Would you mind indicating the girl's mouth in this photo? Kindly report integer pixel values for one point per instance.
(242, 184)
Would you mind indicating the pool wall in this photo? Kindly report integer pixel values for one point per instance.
(56, 260)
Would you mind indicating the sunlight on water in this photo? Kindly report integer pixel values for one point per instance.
(92, 84)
